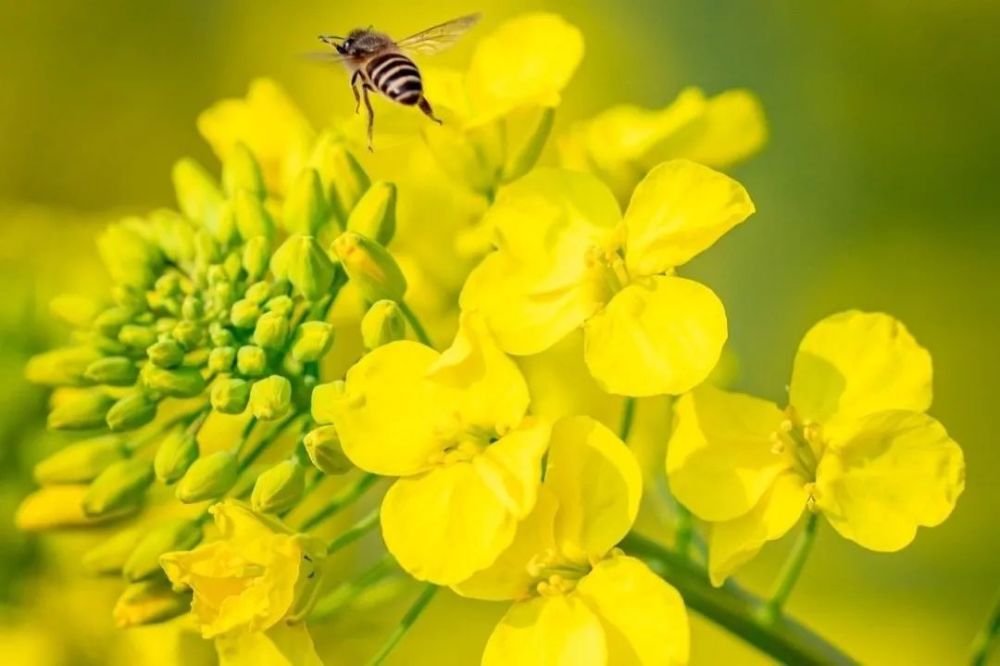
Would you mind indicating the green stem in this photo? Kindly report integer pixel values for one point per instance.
(408, 620)
(418, 328)
(342, 499)
(791, 570)
(685, 531)
(736, 610)
(628, 417)
(345, 593)
(354, 532)
(983, 643)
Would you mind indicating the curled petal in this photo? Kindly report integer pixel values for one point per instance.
(283, 645)
(547, 631)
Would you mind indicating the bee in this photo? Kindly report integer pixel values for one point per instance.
(377, 63)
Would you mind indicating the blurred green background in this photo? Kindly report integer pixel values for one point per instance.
(878, 190)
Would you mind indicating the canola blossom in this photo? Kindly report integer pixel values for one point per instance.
(257, 421)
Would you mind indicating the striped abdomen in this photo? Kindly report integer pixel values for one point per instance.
(395, 76)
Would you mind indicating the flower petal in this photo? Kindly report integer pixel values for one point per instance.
(679, 210)
(283, 645)
(733, 543)
(661, 335)
(644, 617)
(719, 459)
(598, 484)
(547, 631)
(856, 363)
(886, 474)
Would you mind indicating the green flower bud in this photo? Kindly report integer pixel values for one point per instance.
(370, 267)
(344, 177)
(168, 284)
(177, 451)
(207, 253)
(192, 308)
(241, 173)
(271, 398)
(129, 297)
(149, 602)
(174, 235)
(374, 215)
(137, 337)
(324, 449)
(233, 265)
(312, 341)
(77, 311)
(302, 262)
(130, 258)
(271, 331)
(84, 412)
(217, 274)
(279, 488)
(382, 324)
(165, 354)
(198, 196)
(230, 395)
(121, 486)
(258, 292)
(131, 412)
(196, 358)
(144, 562)
(177, 383)
(163, 305)
(221, 359)
(306, 210)
(190, 334)
(110, 321)
(252, 218)
(208, 478)
(524, 158)
(256, 255)
(113, 371)
(81, 462)
(61, 367)
(220, 335)
(244, 313)
(109, 556)
(323, 398)
(251, 361)
(282, 305)
(163, 326)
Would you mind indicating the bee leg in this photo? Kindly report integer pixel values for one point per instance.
(425, 106)
(357, 95)
(371, 119)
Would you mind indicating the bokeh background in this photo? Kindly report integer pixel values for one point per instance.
(877, 189)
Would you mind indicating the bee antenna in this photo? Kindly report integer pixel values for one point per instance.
(329, 38)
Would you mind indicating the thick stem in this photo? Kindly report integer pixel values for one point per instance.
(628, 417)
(983, 643)
(736, 610)
(418, 328)
(344, 498)
(354, 532)
(791, 570)
(411, 616)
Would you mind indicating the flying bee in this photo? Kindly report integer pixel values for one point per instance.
(377, 63)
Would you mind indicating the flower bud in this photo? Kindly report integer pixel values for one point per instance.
(244, 313)
(221, 359)
(111, 320)
(144, 561)
(130, 412)
(109, 556)
(374, 216)
(344, 177)
(324, 449)
(130, 258)
(165, 354)
(77, 311)
(149, 602)
(207, 255)
(251, 361)
(271, 331)
(370, 267)
(256, 255)
(279, 488)
(190, 334)
(129, 297)
(281, 304)
(526, 155)
(230, 395)
(208, 478)
(258, 292)
(192, 308)
(306, 210)
(271, 398)
(137, 337)
(324, 396)
(302, 262)
(198, 196)
(113, 371)
(53, 507)
(121, 486)
(220, 335)
(252, 218)
(176, 453)
(382, 324)
(177, 383)
(83, 412)
(80, 462)
(241, 173)
(312, 341)
(61, 367)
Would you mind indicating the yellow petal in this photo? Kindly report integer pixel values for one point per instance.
(719, 459)
(283, 645)
(547, 631)
(598, 484)
(733, 543)
(856, 363)
(527, 61)
(886, 474)
(645, 620)
(448, 523)
(389, 415)
(679, 210)
(661, 335)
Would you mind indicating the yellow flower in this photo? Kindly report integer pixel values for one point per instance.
(269, 124)
(578, 600)
(282, 645)
(452, 426)
(256, 575)
(567, 257)
(854, 444)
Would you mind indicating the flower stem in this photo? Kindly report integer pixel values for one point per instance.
(345, 593)
(736, 610)
(628, 417)
(982, 645)
(342, 499)
(411, 616)
(418, 328)
(790, 571)
(354, 532)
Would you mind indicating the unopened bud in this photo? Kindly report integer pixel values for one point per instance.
(312, 341)
(244, 314)
(149, 602)
(382, 324)
(177, 383)
(279, 488)
(80, 462)
(374, 216)
(109, 556)
(258, 292)
(130, 258)
(230, 395)
(306, 210)
(121, 486)
(144, 560)
(251, 361)
(256, 255)
(130, 412)
(208, 478)
(281, 304)
(370, 267)
(302, 262)
(176, 453)
(221, 359)
(188, 333)
(343, 175)
(271, 331)
(83, 412)
(324, 449)
(241, 173)
(198, 196)
(165, 354)
(113, 371)
(77, 311)
(61, 367)
(53, 507)
(271, 398)
(137, 337)
(220, 335)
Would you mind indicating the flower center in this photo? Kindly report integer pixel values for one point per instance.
(609, 260)
(462, 443)
(555, 574)
(801, 442)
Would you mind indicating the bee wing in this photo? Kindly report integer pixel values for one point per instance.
(439, 37)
